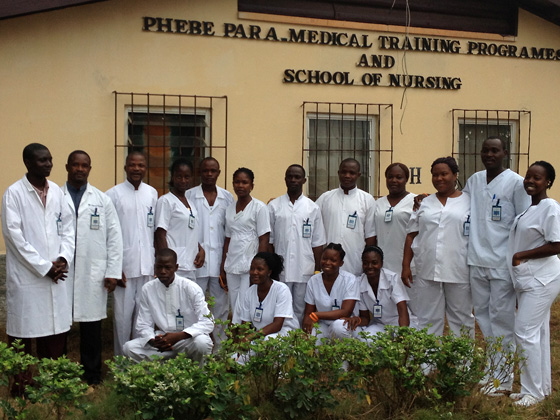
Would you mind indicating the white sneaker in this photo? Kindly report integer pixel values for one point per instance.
(516, 396)
(491, 390)
(526, 401)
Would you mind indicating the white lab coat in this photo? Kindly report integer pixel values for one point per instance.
(98, 254)
(37, 307)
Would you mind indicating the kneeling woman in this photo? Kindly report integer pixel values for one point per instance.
(331, 296)
(267, 304)
(382, 294)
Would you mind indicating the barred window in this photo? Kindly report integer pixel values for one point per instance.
(168, 127)
(472, 127)
(336, 131)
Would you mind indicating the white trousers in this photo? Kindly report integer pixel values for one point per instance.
(195, 348)
(243, 358)
(436, 301)
(494, 300)
(237, 285)
(298, 299)
(371, 329)
(188, 274)
(532, 335)
(332, 329)
(220, 310)
(126, 302)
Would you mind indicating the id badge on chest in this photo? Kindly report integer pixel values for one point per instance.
(94, 221)
(150, 219)
(257, 317)
(352, 220)
(179, 321)
(335, 307)
(467, 226)
(306, 229)
(389, 215)
(191, 222)
(59, 224)
(377, 310)
(496, 213)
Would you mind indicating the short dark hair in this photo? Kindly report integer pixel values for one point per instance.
(350, 160)
(550, 172)
(449, 161)
(30, 150)
(209, 159)
(245, 171)
(167, 252)
(134, 153)
(296, 165)
(504, 145)
(372, 248)
(338, 248)
(77, 152)
(273, 261)
(175, 165)
(400, 165)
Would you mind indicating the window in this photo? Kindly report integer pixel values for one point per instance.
(472, 127)
(336, 131)
(168, 127)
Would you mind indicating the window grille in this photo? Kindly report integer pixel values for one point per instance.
(168, 127)
(472, 126)
(336, 131)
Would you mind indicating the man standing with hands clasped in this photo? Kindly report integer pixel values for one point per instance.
(497, 197)
(98, 259)
(39, 235)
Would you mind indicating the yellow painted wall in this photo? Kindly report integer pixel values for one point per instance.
(58, 71)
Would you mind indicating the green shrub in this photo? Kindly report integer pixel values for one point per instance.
(59, 386)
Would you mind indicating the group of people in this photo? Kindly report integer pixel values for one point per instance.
(337, 267)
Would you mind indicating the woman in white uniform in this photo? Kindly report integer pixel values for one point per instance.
(382, 294)
(331, 296)
(533, 246)
(247, 232)
(267, 304)
(437, 238)
(177, 223)
(392, 213)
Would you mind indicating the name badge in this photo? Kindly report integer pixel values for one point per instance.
(467, 226)
(94, 221)
(306, 230)
(496, 213)
(59, 224)
(389, 215)
(191, 222)
(377, 310)
(335, 307)
(258, 314)
(179, 321)
(352, 220)
(150, 219)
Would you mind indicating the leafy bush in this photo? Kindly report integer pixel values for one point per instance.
(178, 388)
(59, 385)
(13, 361)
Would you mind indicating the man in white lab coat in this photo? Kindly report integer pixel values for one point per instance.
(135, 203)
(211, 203)
(348, 215)
(298, 235)
(39, 235)
(98, 259)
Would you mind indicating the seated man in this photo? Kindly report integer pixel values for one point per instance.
(173, 316)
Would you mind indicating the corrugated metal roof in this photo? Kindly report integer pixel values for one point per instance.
(13, 8)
